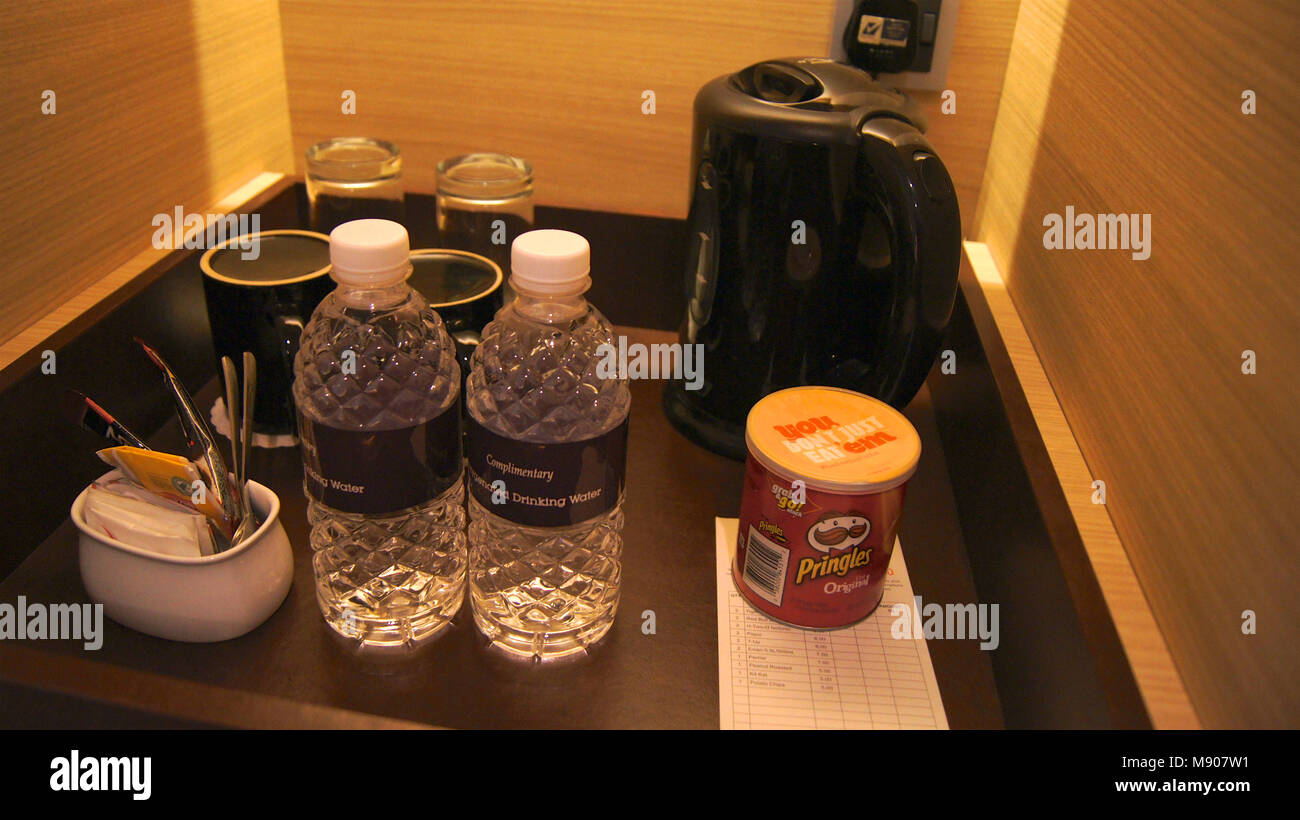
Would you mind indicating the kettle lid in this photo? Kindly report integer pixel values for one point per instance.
(805, 89)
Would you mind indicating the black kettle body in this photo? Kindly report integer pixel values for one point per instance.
(824, 244)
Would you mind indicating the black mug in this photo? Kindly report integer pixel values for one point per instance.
(260, 301)
(464, 288)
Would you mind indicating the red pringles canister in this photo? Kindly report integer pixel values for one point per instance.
(823, 496)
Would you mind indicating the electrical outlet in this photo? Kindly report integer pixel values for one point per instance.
(929, 69)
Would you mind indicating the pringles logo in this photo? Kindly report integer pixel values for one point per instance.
(772, 531)
(839, 535)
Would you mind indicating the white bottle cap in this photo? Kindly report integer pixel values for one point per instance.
(550, 263)
(372, 253)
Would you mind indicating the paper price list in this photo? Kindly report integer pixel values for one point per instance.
(773, 676)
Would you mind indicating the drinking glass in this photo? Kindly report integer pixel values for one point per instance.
(484, 201)
(354, 178)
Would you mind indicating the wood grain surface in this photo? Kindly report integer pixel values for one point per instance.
(1145, 648)
(1131, 108)
(1108, 107)
(560, 83)
(126, 275)
(155, 105)
(177, 104)
(975, 73)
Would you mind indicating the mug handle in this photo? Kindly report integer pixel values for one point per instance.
(466, 340)
(289, 327)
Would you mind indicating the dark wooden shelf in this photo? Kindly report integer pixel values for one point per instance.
(292, 672)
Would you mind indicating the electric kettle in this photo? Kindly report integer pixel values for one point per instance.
(824, 244)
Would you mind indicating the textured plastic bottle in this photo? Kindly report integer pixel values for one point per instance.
(377, 389)
(547, 449)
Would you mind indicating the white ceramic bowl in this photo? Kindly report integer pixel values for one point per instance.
(196, 599)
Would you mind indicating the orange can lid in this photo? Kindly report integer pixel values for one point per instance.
(833, 439)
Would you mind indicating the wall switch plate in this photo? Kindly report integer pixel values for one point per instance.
(936, 28)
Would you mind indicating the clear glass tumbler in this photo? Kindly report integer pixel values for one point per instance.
(484, 202)
(354, 178)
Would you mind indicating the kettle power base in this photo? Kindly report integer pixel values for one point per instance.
(713, 434)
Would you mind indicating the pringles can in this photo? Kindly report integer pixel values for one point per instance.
(823, 497)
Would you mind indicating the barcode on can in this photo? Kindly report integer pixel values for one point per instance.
(765, 565)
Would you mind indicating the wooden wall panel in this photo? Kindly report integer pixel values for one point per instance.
(1145, 650)
(560, 83)
(160, 105)
(157, 105)
(1137, 108)
(975, 72)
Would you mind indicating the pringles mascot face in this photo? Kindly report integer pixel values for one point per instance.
(838, 531)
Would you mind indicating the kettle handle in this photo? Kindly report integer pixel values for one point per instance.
(896, 163)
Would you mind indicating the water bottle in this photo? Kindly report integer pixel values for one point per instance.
(377, 390)
(547, 418)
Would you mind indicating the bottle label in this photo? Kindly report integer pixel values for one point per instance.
(547, 485)
(373, 472)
